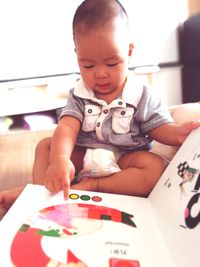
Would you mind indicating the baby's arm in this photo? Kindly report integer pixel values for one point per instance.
(61, 170)
(172, 134)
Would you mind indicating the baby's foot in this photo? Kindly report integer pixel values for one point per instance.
(8, 197)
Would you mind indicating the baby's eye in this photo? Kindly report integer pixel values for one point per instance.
(88, 66)
(113, 64)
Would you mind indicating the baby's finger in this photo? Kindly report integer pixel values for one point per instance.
(65, 187)
(50, 186)
(57, 185)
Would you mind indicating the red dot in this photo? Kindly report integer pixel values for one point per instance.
(96, 198)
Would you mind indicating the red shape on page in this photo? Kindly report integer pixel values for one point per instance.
(72, 258)
(123, 263)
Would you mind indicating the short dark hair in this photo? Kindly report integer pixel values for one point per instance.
(95, 13)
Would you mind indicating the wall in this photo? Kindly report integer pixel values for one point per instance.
(45, 26)
(168, 82)
(193, 7)
(36, 39)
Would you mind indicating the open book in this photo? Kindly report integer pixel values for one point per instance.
(106, 230)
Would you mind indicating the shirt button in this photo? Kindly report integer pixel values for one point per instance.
(105, 111)
(90, 110)
(120, 103)
(123, 113)
(98, 124)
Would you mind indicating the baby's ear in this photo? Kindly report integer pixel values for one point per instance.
(131, 47)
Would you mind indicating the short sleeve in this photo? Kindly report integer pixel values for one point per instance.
(151, 113)
(74, 107)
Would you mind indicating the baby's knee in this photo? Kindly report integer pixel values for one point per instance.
(154, 170)
(157, 164)
(43, 144)
(151, 164)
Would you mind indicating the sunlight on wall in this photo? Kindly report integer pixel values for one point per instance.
(36, 37)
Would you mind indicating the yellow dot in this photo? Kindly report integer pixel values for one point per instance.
(73, 196)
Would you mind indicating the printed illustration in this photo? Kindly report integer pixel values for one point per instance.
(186, 172)
(189, 171)
(45, 238)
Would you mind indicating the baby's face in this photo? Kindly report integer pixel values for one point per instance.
(103, 55)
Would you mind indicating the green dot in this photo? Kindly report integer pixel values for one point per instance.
(85, 197)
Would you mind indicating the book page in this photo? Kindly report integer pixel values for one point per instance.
(90, 229)
(176, 203)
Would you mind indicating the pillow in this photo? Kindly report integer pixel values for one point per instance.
(180, 113)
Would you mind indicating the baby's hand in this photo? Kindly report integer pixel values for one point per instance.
(186, 128)
(58, 176)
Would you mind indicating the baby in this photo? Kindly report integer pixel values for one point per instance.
(105, 131)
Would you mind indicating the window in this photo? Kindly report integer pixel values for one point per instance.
(36, 35)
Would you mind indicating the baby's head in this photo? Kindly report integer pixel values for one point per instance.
(93, 14)
(103, 46)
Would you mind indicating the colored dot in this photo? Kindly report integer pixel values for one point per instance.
(96, 198)
(187, 212)
(85, 197)
(73, 196)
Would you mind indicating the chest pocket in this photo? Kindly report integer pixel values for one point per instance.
(92, 113)
(121, 120)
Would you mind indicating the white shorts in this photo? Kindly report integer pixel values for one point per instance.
(99, 162)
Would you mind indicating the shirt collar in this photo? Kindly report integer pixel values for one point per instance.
(131, 94)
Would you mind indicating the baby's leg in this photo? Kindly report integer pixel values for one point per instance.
(40, 165)
(41, 161)
(8, 197)
(139, 173)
